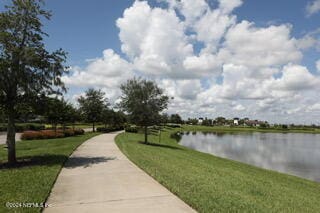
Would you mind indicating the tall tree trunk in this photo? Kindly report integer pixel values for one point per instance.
(145, 134)
(11, 141)
(93, 130)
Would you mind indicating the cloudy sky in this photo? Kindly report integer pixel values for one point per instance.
(244, 58)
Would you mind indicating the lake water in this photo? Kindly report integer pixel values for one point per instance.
(291, 153)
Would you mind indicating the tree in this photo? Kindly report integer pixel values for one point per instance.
(176, 118)
(2, 116)
(27, 69)
(67, 114)
(164, 118)
(207, 122)
(143, 101)
(92, 105)
(118, 119)
(72, 115)
(107, 116)
(54, 110)
(193, 121)
(220, 120)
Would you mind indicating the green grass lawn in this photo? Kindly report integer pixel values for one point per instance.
(213, 184)
(33, 179)
(245, 129)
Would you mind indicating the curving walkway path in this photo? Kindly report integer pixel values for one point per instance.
(3, 137)
(99, 178)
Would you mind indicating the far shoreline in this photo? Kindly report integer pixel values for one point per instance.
(231, 129)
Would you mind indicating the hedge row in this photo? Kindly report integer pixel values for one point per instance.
(109, 129)
(132, 129)
(25, 127)
(50, 134)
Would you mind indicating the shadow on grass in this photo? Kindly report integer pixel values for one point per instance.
(159, 145)
(85, 162)
(52, 159)
(41, 160)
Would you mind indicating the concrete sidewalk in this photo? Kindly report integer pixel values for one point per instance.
(3, 137)
(99, 178)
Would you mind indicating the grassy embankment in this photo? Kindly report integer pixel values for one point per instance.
(213, 184)
(33, 178)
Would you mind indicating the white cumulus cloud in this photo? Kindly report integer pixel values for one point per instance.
(313, 7)
(318, 65)
(209, 61)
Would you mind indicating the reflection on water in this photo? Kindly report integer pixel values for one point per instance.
(292, 153)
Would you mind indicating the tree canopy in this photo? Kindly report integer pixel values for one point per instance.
(27, 69)
(176, 118)
(92, 104)
(143, 101)
(58, 111)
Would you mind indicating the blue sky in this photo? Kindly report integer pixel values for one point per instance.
(88, 28)
(85, 29)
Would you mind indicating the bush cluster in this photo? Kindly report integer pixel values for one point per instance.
(78, 131)
(69, 133)
(50, 134)
(25, 127)
(109, 129)
(132, 129)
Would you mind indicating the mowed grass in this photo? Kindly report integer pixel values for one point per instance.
(40, 162)
(212, 184)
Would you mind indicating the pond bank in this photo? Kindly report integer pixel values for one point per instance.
(213, 184)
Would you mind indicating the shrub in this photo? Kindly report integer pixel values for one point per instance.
(78, 131)
(109, 129)
(263, 126)
(69, 133)
(50, 134)
(132, 129)
(44, 134)
(30, 135)
(104, 129)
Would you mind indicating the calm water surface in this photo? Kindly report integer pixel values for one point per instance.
(291, 153)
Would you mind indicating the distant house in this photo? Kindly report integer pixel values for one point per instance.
(236, 121)
(200, 120)
(255, 123)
